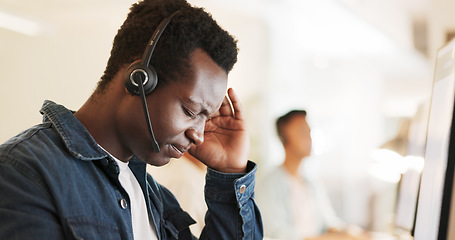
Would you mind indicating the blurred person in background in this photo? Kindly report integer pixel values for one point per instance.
(294, 206)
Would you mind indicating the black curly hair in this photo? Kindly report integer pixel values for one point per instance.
(190, 29)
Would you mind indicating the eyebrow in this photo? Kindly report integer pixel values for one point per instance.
(204, 108)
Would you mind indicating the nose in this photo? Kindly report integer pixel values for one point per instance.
(196, 135)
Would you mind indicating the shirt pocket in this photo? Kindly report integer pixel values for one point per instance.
(82, 228)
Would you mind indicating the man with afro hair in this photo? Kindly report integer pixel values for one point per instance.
(82, 174)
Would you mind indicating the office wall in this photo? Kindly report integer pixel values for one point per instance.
(62, 64)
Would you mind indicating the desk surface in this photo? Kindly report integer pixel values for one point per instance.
(362, 236)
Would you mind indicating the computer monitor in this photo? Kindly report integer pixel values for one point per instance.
(406, 204)
(409, 185)
(433, 219)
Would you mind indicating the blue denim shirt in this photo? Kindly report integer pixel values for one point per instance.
(56, 183)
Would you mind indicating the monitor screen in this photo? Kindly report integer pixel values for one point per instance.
(408, 192)
(408, 188)
(437, 177)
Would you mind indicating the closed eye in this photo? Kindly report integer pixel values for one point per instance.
(189, 113)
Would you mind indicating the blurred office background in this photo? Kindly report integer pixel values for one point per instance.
(361, 69)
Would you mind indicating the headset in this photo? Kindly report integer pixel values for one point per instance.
(141, 78)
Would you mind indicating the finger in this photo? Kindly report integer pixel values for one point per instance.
(226, 108)
(236, 105)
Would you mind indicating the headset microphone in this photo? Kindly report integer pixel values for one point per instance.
(155, 145)
(141, 79)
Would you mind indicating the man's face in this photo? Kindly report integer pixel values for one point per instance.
(298, 136)
(178, 112)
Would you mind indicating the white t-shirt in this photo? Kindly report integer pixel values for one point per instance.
(142, 229)
(306, 219)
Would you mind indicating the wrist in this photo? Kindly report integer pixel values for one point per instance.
(232, 169)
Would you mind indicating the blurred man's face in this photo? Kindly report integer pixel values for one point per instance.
(298, 136)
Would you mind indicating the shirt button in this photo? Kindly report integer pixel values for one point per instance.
(242, 189)
(123, 203)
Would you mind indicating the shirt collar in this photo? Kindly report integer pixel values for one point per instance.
(74, 135)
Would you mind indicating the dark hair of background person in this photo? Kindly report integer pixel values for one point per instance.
(190, 29)
(282, 121)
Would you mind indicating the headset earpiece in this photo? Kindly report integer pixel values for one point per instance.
(141, 71)
(137, 74)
